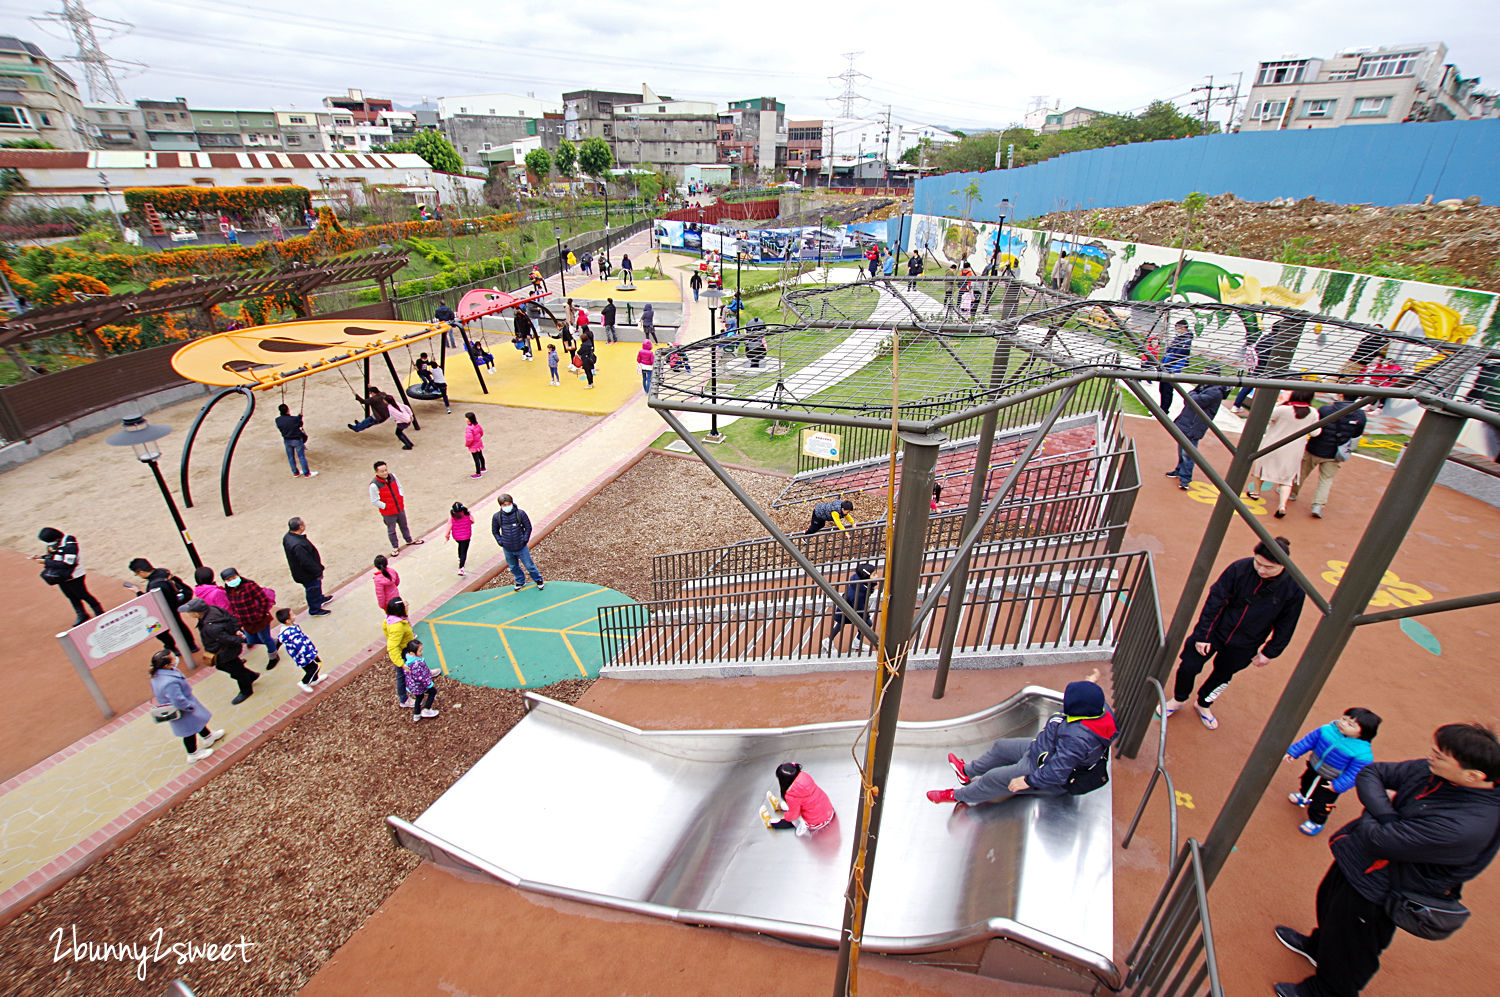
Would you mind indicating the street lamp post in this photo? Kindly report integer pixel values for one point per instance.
(141, 436)
(1004, 210)
(714, 296)
(562, 266)
(109, 199)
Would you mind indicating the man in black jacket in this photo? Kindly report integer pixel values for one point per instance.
(1208, 397)
(305, 564)
(1323, 449)
(1439, 830)
(221, 637)
(1248, 618)
(174, 590)
(608, 311)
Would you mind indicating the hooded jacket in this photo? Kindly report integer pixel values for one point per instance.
(1431, 838)
(1208, 397)
(1065, 745)
(1243, 609)
(219, 631)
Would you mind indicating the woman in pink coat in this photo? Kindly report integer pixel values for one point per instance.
(803, 803)
(474, 440)
(386, 581)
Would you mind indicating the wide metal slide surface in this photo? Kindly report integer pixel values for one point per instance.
(665, 823)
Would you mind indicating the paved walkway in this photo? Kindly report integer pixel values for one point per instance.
(68, 810)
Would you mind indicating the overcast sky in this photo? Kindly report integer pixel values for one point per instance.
(932, 63)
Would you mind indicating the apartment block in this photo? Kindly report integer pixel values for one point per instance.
(804, 146)
(38, 100)
(752, 134)
(1393, 83)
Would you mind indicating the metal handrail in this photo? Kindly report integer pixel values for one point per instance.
(1050, 604)
(1159, 773)
(1170, 959)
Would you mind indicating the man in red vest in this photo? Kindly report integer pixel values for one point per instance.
(386, 497)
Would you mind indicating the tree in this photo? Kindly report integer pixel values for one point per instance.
(539, 165)
(565, 158)
(595, 157)
(431, 146)
(971, 154)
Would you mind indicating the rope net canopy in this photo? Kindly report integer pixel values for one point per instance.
(271, 355)
(983, 344)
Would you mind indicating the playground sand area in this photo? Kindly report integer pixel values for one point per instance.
(288, 848)
(120, 515)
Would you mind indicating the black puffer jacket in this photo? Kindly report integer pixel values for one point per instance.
(219, 632)
(1431, 838)
(1326, 441)
(1243, 609)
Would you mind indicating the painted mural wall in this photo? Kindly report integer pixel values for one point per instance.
(1137, 271)
(1108, 269)
(1361, 164)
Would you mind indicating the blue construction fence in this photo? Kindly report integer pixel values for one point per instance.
(1355, 164)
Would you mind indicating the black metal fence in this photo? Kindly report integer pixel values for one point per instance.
(1140, 646)
(1174, 954)
(1093, 493)
(1015, 604)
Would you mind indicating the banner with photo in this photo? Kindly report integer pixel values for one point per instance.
(766, 245)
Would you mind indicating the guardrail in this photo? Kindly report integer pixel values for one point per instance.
(1103, 506)
(1141, 639)
(1160, 774)
(1174, 954)
(1013, 606)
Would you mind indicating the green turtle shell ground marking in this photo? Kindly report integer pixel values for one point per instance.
(506, 639)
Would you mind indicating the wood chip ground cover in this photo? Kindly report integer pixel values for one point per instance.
(288, 849)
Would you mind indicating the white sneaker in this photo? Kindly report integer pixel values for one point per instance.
(827, 645)
(405, 704)
(213, 737)
(320, 678)
(200, 754)
(429, 713)
(416, 718)
(460, 572)
(304, 687)
(311, 474)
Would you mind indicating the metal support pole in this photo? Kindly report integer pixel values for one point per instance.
(840, 604)
(713, 379)
(1387, 529)
(903, 576)
(1208, 551)
(182, 530)
(365, 398)
(85, 675)
(400, 388)
(960, 584)
(463, 333)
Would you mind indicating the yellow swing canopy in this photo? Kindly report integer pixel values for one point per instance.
(271, 355)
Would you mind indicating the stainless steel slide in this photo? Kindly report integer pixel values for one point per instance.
(665, 823)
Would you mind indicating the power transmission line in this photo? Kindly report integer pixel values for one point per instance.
(849, 76)
(98, 68)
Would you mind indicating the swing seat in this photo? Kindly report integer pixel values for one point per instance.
(423, 392)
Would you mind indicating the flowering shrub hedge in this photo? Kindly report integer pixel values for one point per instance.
(183, 200)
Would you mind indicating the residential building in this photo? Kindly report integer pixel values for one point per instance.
(490, 122)
(38, 100)
(804, 146)
(169, 125)
(591, 113)
(1060, 121)
(1384, 85)
(877, 138)
(358, 123)
(303, 130)
(235, 129)
(115, 126)
(752, 135)
(659, 133)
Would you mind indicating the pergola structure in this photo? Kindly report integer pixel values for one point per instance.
(198, 293)
(870, 354)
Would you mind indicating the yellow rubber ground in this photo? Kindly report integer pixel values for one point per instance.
(525, 385)
(654, 291)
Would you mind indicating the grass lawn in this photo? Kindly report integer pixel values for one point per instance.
(747, 442)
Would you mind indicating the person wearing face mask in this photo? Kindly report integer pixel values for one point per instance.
(511, 528)
(251, 606)
(1248, 619)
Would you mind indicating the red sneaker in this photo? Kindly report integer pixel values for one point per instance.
(958, 768)
(941, 796)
